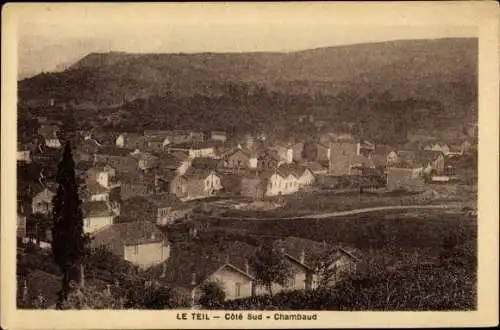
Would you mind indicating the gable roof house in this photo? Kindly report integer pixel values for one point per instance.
(96, 216)
(42, 200)
(196, 184)
(118, 158)
(140, 243)
(192, 265)
(237, 159)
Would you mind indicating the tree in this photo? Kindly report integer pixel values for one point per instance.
(310, 151)
(270, 267)
(212, 295)
(90, 297)
(68, 238)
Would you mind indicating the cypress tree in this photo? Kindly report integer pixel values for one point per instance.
(68, 238)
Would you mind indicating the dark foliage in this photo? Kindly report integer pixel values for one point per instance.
(68, 238)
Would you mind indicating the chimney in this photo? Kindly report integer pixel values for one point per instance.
(226, 259)
(247, 266)
(193, 279)
(303, 256)
(289, 155)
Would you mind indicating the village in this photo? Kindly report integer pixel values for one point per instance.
(138, 190)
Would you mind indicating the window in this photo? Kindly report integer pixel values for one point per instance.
(237, 291)
(290, 283)
(135, 250)
(87, 223)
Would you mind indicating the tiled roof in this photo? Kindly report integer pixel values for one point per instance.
(132, 233)
(192, 145)
(115, 151)
(203, 260)
(295, 169)
(95, 188)
(96, 209)
(314, 166)
(205, 163)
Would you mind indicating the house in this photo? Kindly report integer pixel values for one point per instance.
(93, 191)
(118, 158)
(283, 181)
(140, 243)
(104, 175)
(162, 209)
(130, 141)
(97, 215)
(322, 152)
(427, 160)
(167, 209)
(137, 184)
(156, 143)
(42, 201)
(193, 265)
(349, 157)
(50, 135)
(303, 176)
(196, 184)
(178, 162)
(442, 147)
(329, 263)
(405, 178)
(237, 159)
(297, 149)
(145, 160)
(197, 136)
(23, 154)
(194, 149)
(218, 136)
(267, 159)
(285, 153)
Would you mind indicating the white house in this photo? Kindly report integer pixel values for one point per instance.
(96, 216)
(140, 243)
(280, 183)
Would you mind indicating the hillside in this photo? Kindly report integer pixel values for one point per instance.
(442, 69)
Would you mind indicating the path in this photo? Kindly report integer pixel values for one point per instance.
(355, 211)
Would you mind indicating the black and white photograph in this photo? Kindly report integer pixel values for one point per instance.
(195, 161)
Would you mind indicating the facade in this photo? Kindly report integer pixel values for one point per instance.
(196, 184)
(96, 216)
(237, 159)
(42, 202)
(195, 149)
(23, 155)
(140, 243)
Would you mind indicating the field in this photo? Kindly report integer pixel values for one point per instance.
(304, 203)
(389, 231)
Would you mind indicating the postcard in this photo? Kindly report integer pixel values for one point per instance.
(249, 165)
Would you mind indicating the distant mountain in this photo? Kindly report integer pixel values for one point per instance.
(438, 69)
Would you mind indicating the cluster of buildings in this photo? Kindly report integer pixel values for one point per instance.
(133, 185)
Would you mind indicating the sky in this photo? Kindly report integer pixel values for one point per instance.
(51, 38)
